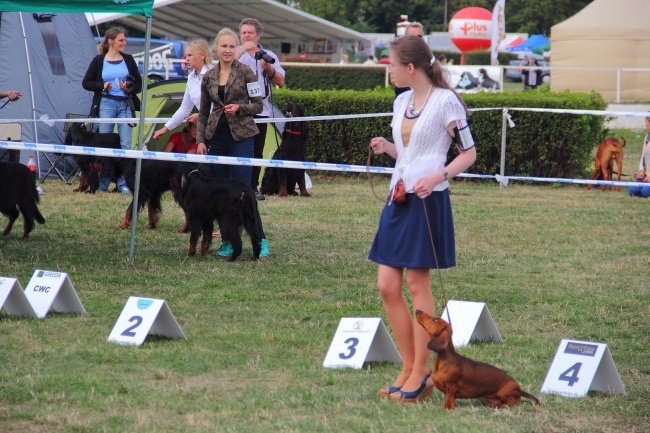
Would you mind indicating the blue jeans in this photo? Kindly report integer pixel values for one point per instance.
(222, 144)
(640, 191)
(112, 108)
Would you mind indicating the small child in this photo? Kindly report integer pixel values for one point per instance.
(642, 175)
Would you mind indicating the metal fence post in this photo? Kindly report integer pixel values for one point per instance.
(502, 170)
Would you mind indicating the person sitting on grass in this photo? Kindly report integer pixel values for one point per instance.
(642, 175)
(183, 141)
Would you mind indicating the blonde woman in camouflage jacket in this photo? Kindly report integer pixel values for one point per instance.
(232, 91)
(234, 94)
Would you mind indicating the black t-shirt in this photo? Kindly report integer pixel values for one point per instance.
(223, 121)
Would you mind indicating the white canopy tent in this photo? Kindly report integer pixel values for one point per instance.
(605, 34)
(187, 19)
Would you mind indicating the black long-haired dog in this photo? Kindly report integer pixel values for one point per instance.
(282, 181)
(155, 180)
(229, 202)
(78, 135)
(18, 192)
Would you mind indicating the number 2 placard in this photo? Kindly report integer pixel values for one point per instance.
(580, 367)
(142, 316)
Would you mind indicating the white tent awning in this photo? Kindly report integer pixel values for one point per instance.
(186, 19)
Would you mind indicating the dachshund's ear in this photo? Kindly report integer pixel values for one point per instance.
(184, 181)
(441, 340)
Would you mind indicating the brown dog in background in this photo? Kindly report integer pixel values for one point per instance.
(610, 150)
(459, 377)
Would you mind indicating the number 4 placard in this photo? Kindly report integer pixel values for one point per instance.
(142, 316)
(360, 339)
(580, 367)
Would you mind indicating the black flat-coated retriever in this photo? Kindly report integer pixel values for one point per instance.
(18, 192)
(282, 181)
(155, 180)
(78, 135)
(229, 202)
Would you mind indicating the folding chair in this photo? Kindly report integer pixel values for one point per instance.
(68, 179)
(77, 171)
(10, 132)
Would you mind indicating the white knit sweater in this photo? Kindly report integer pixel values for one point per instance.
(429, 143)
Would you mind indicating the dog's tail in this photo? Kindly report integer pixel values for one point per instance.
(251, 213)
(531, 397)
(624, 143)
(28, 206)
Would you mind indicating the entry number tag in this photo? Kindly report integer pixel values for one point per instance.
(254, 89)
(580, 367)
(142, 316)
(360, 339)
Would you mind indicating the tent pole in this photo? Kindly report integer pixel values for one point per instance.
(138, 162)
(31, 91)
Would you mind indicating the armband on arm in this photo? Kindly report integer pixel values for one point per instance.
(462, 135)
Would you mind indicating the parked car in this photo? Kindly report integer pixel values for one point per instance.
(514, 75)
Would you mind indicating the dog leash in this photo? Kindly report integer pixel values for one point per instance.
(435, 258)
(372, 187)
(426, 215)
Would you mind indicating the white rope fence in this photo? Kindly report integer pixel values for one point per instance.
(211, 159)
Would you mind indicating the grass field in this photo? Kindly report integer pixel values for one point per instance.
(550, 262)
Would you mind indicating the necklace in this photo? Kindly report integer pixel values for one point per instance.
(411, 108)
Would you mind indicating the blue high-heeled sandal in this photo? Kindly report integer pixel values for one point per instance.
(424, 391)
(389, 390)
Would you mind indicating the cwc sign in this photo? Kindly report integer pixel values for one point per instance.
(49, 289)
(471, 29)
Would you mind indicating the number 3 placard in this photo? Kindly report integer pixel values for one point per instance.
(141, 317)
(580, 367)
(360, 339)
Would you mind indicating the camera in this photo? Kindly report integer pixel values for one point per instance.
(263, 55)
(129, 82)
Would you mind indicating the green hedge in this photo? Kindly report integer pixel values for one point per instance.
(364, 78)
(334, 78)
(479, 57)
(541, 144)
(484, 57)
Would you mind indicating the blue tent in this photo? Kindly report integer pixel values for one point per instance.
(535, 42)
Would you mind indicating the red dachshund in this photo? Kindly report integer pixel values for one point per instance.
(460, 377)
(609, 150)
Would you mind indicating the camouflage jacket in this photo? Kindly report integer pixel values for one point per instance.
(242, 125)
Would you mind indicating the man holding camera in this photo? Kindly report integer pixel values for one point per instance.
(266, 66)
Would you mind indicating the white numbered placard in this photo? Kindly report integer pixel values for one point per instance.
(52, 289)
(470, 321)
(13, 299)
(253, 89)
(580, 367)
(360, 339)
(141, 317)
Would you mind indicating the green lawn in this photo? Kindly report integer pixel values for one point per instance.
(550, 262)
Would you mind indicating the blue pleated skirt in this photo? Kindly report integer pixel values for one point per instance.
(403, 240)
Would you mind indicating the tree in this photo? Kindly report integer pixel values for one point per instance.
(382, 16)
